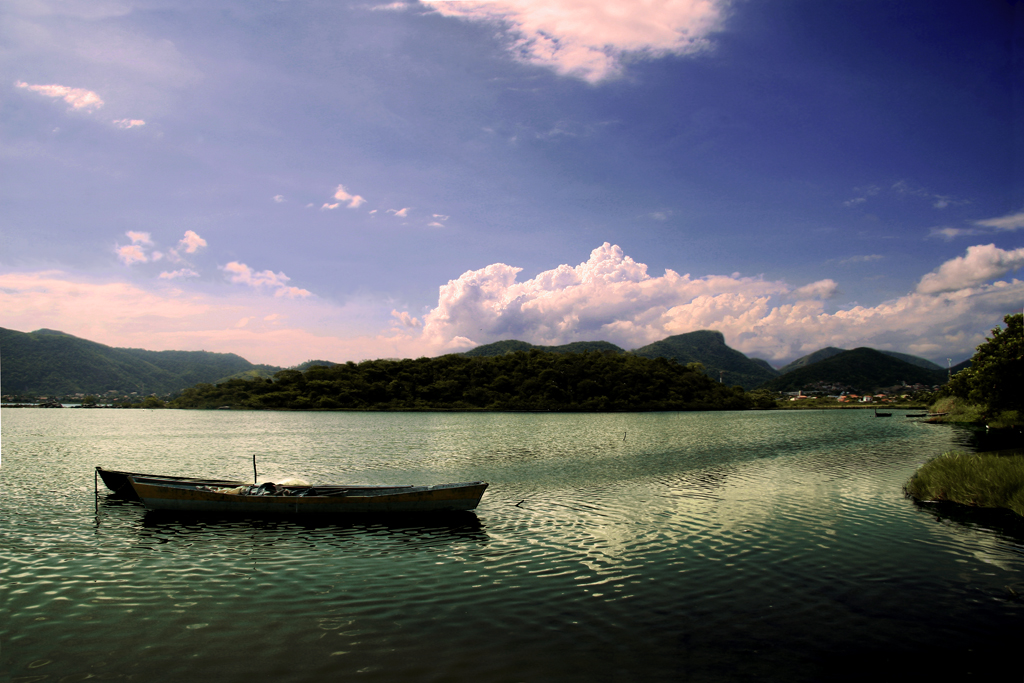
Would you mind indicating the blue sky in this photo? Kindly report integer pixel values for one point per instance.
(344, 180)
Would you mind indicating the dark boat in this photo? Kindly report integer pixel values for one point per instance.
(118, 482)
(272, 499)
(878, 414)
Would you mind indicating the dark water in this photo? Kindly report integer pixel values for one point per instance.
(647, 547)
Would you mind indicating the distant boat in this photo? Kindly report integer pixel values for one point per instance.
(878, 414)
(271, 499)
(916, 415)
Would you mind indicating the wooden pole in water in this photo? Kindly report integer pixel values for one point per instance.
(254, 477)
(96, 489)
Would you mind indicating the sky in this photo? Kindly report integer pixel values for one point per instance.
(301, 179)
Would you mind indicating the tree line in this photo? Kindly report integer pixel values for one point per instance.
(523, 380)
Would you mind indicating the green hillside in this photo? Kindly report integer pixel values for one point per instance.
(47, 362)
(512, 345)
(810, 359)
(829, 351)
(522, 380)
(708, 347)
(863, 369)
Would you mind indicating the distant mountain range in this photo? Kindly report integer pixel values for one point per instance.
(47, 362)
(830, 351)
(861, 369)
(51, 363)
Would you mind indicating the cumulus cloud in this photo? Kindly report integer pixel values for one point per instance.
(612, 297)
(129, 123)
(822, 289)
(591, 40)
(239, 273)
(132, 253)
(191, 242)
(278, 198)
(78, 98)
(405, 319)
(400, 213)
(343, 195)
(136, 251)
(982, 263)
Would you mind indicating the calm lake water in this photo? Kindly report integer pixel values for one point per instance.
(624, 547)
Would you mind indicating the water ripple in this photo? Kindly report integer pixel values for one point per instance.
(666, 546)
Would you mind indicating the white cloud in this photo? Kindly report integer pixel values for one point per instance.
(865, 258)
(988, 226)
(983, 262)
(139, 237)
(132, 253)
(78, 98)
(129, 123)
(278, 198)
(611, 297)
(239, 273)
(330, 207)
(176, 274)
(191, 242)
(947, 233)
(1009, 222)
(406, 320)
(342, 195)
(822, 289)
(400, 213)
(590, 40)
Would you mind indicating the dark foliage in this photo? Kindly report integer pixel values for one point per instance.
(520, 380)
(54, 363)
(510, 345)
(996, 372)
(708, 347)
(863, 369)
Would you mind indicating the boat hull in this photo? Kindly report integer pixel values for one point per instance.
(195, 499)
(117, 481)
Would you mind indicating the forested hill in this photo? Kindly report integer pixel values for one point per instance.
(48, 362)
(520, 380)
(502, 347)
(708, 347)
(862, 369)
(830, 351)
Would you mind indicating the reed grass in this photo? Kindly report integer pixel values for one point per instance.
(958, 410)
(982, 479)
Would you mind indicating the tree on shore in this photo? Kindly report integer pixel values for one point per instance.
(995, 380)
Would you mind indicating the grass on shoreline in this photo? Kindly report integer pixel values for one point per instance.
(984, 480)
